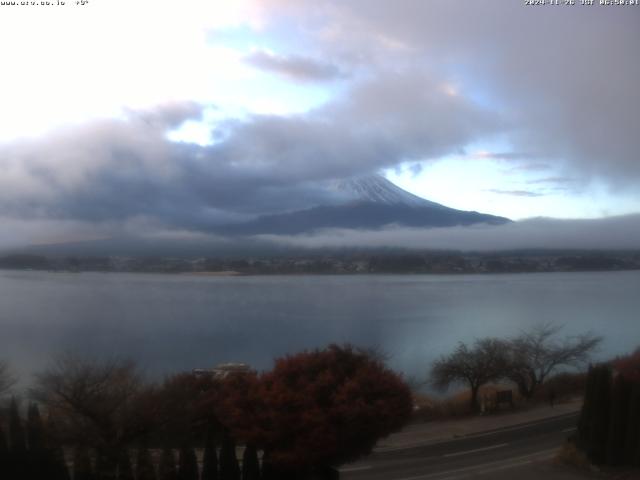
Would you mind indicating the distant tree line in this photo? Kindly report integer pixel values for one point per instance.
(312, 412)
(526, 360)
(332, 262)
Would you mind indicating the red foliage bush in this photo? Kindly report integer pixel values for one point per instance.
(322, 407)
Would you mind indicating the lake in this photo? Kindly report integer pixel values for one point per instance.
(177, 322)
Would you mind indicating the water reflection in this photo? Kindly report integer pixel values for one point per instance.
(174, 322)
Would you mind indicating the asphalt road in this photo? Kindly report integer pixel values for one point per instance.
(476, 455)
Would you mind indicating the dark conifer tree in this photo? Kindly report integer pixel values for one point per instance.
(229, 469)
(19, 464)
(601, 413)
(6, 463)
(16, 431)
(125, 471)
(106, 465)
(250, 464)
(187, 464)
(632, 443)
(35, 429)
(167, 469)
(618, 421)
(57, 463)
(38, 457)
(210, 459)
(585, 421)
(272, 472)
(4, 448)
(144, 465)
(267, 471)
(82, 469)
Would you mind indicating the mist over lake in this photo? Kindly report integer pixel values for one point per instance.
(178, 322)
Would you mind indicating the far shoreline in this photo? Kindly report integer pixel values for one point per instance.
(224, 273)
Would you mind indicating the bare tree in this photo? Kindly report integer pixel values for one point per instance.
(535, 354)
(377, 353)
(104, 405)
(484, 362)
(7, 380)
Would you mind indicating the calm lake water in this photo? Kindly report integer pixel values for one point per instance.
(176, 322)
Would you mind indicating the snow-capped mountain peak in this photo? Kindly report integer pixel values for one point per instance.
(377, 189)
(368, 202)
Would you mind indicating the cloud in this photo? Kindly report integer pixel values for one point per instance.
(377, 123)
(432, 78)
(501, 155)
(574, 103)
(168, 115)
(610, 233)
(109, 171)
(530, 167)
(516, 193)
(294, 67)
(554, 180)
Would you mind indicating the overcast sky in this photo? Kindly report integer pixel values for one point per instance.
(148, 115)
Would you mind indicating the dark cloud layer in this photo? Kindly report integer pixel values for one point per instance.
(116, 170)
(610, 233)
(119, 170)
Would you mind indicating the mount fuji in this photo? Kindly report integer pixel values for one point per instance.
(366, 202)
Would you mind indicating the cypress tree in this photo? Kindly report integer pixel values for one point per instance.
(167, 469)
(636, 460)
(4, 448)
(229, 469)
(586, 413)
(210, 459)
(618, 420)
(82, 469)
(57, 465)
(268, 471)
(16, 431)
(35, 429)
(144, 465)
(632, 443)
(125, 471)
(187, 464)
(272, 472)
(106, 464)
(37, 453)
(599, 428)
(250, 464)
(19, 462)
(6, 464)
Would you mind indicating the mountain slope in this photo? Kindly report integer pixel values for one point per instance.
(366, 203)
(377, 189)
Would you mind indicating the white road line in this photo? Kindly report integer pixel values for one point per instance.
(569, 429)
(492, 447)
(515, 427)
(355, 469)
(487, 467)
(419, 444)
